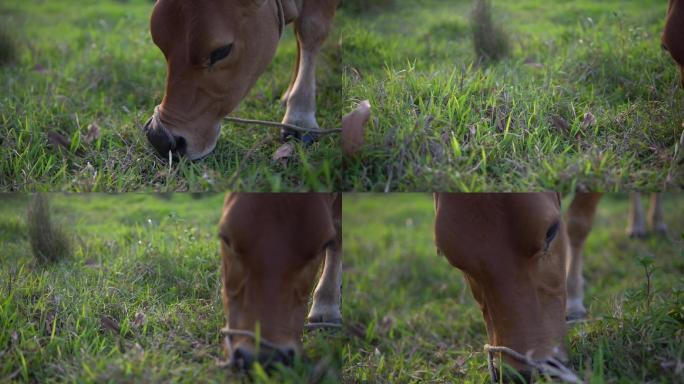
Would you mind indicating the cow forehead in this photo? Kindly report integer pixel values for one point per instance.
(190, 25)
(286, 216)
(490, 224)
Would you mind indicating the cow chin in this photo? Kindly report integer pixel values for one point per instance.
(199, 149)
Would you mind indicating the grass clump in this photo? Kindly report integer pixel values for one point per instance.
(361, 6)
(8, 47)
(49, 243)
(489, 40)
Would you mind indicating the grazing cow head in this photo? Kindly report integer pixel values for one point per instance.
(673, 34)
(511, 249)
(272, 246)
(215, 51)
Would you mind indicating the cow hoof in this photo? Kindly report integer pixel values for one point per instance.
(307, 139)
(637, 233)
(576, 316)
(661, 230)
(325, 315)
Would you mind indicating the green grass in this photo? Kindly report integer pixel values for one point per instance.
(443, 122)
(414, 319)
(151, 265)
(93, 61)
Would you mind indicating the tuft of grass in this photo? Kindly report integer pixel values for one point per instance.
(49, 242)
(8, 47)
(490, 41)
(362, 6)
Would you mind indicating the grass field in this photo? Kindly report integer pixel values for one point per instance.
(420, 324)
(138, 301)
(442, 121)
(79, 63)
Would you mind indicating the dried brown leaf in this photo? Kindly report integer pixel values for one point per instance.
(58, 140)
(139, 320)
(109, 324)
(561, 124)
(284, 152)
(92, 134)
(588, 120)
(353, 128)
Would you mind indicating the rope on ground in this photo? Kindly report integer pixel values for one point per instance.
(549, 367)
(293, 127)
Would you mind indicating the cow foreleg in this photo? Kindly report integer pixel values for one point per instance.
(328, 294)
(311, 27)
(579, 220)
(656, 218)
(636, 227)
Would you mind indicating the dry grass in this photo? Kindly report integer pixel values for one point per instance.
(8, 47)
(49, 242)
(489, 40)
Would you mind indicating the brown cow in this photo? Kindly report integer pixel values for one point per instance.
(673, 34)
(523, 263)
(272, 246)
(512, 250)
(215, 51)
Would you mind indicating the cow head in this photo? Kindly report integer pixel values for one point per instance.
(673, 34)
(215, 51)
(272, 246)
(511, 249)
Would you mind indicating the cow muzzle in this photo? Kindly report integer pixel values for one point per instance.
(268, 354)
(166, 144)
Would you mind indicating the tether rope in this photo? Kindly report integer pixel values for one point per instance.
(282, 125)
(547, 367)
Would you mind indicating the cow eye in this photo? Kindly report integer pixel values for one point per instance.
(329, 244)
(225, 239)
(220, 54)
(551, 234)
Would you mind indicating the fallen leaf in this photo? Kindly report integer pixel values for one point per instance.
(529, 61)
(284, 152)
(460, 362)
(92, 134)
(353, 128)
(109, 324)
(560, 124)
(61, 142)
(139, 320)
(58, 140)
(588, 120)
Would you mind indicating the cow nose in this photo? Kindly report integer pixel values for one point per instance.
(241, 359)
(162, 140)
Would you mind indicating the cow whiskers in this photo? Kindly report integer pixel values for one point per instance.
(551, 367)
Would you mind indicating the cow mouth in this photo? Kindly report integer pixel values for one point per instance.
(165, 144)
